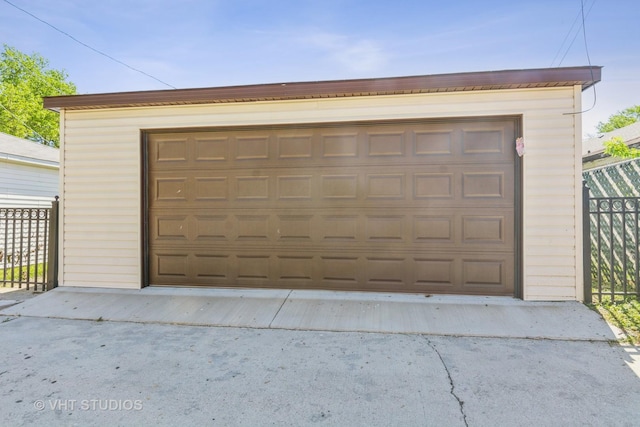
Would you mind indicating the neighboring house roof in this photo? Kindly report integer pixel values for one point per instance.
(20, 150)
(485, 80)
(593, 148)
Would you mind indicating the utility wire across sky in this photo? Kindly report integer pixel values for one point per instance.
(88, 46)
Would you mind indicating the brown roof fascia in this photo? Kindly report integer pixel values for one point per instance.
(486, 80)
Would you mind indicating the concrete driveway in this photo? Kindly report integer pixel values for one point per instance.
(164, 357)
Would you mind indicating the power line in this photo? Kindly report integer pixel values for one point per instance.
(565, 39)
(584, 35)
(586, 48)
(87, 46)
(580, 17)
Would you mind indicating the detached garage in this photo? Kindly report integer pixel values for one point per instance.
(408, 184)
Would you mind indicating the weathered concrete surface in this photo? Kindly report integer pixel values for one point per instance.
(633, 357)
(324, 310)
(7, 303)
(11, 296)
(162, 356)
(74, 372)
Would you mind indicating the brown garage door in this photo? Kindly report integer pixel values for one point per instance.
(399, 206)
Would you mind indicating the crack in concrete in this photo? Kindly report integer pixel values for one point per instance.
(452, 389)
(278, 312)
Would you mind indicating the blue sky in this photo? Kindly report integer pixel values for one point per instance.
(205, 43)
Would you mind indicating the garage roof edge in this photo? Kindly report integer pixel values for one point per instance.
(586, 76)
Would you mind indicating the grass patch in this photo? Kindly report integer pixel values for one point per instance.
(623, 314)
(35, 272)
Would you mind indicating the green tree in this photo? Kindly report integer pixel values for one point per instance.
(24, 81)
(621, 119)
(617, 148)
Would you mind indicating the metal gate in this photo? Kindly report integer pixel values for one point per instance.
(611, 247)
(29, 247)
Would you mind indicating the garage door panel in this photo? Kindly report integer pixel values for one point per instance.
(483, 184)
(385, 186)
(208, 189)
(252, 188)
(386, 144)
(482, 142)
(171, 189)
(489, 228)
(401, 272)
(295, 267)
(211, 266)
(434, 229)
(212, 227)
(336, 268)
(172, 227)
(252, 147)
(433, 143)
(336, 146)
(339, 227)
(211, 149)
(295, 147)
(407, 207)
(483, 273)
(391, 270)
(295, 228)
(486, 274)
(436, 272)
(484, 229)
(251, 228)
(253, 267)
(385, 228)
(338, 186)
(171, 266)
(170, 149)
(294, 187)
(426, 185)
(434, 185)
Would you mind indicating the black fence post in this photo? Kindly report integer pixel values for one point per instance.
(586, 243)
(52, 267)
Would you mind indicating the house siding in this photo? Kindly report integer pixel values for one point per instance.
(101, 155)
(26, 185)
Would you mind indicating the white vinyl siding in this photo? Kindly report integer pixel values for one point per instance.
(101, 240)
(27, 185)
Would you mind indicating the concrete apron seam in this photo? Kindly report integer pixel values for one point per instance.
(280, 308)
(452, 389)
(363, 331)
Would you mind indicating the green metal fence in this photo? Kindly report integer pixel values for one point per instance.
(612, 247)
